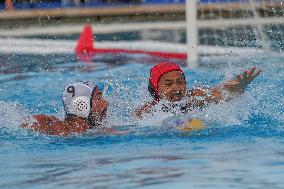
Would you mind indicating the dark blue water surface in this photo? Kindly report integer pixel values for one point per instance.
(242, 146)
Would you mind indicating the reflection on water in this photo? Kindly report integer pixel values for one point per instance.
(217, 164)
(90, 172)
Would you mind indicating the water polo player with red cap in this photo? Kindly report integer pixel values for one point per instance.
(167, 82)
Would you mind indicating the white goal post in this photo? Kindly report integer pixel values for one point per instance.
(255, 24)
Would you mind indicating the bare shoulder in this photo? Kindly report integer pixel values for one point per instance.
(39, 119)
(47, 125)
(45, 118)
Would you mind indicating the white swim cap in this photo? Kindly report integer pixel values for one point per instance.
(77, 98)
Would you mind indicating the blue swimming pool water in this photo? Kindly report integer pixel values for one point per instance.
(243, 146)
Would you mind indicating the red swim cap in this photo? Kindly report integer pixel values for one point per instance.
(157, 72)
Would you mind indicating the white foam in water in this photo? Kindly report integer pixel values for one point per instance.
(158, 117)
(120, 102)
(12, 115)
(233, 112)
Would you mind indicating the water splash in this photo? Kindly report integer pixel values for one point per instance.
(12, 114)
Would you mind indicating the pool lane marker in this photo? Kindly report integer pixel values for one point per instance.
(86, 48)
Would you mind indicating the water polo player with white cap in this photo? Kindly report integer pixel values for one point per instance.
(84, 107)
(84, 99)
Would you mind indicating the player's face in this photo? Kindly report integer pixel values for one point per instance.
(172, 86)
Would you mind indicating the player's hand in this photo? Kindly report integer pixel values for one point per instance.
(243, 80)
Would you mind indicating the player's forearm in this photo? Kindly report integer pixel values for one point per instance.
(146, 108)
(233, 87)
(200, 97)
(225, 91)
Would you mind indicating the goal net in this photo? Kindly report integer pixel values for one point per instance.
(239, 24)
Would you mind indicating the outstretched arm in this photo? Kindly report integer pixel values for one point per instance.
(226, 91)
(239, 84)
